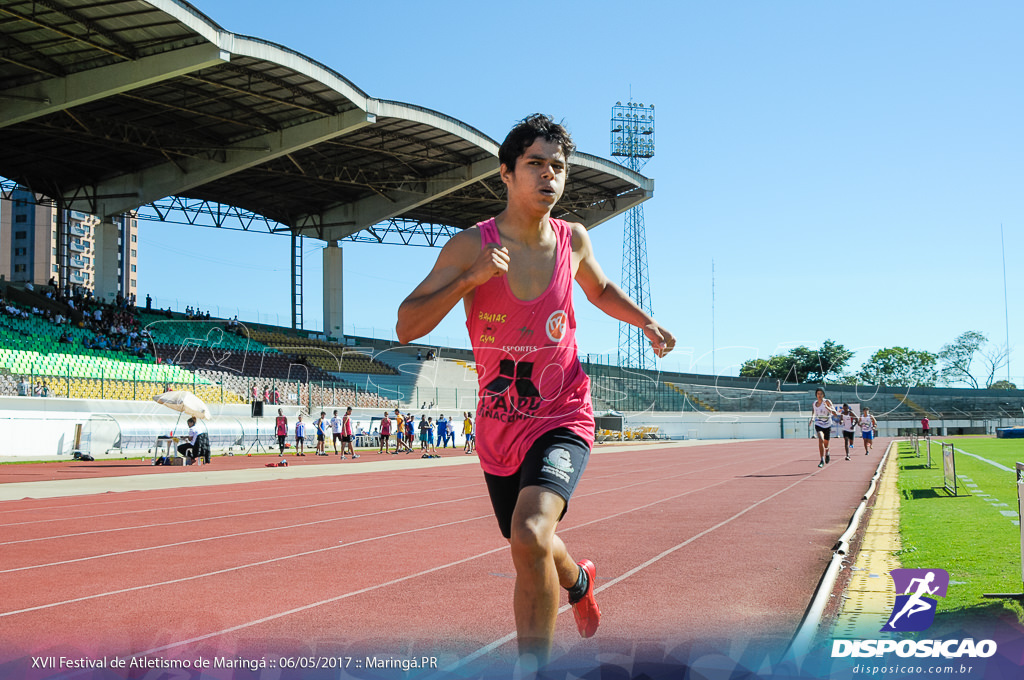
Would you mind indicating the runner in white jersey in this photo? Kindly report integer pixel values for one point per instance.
(822, 411)
(868, 425)
(847, 423)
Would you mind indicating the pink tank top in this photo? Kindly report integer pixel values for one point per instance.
(530, 376)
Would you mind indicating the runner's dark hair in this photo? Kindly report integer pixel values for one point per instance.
(526, 133)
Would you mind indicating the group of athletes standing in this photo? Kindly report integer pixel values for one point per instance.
(822, 413)
(404, 428)
(339, 428)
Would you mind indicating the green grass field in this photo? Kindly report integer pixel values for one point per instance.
(969, 535)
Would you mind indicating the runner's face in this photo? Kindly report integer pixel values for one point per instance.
(539, 177)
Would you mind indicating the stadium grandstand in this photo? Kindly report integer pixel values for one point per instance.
(149, 109)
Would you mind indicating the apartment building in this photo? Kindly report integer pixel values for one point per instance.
(102, 257)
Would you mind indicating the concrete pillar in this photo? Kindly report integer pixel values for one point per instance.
(106, 260)
(333, 288)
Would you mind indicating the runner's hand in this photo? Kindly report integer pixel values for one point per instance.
(662, 342)
(492, 261)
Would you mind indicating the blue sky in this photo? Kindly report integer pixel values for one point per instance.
(846, 166)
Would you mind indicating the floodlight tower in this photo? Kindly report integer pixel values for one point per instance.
(632, 140)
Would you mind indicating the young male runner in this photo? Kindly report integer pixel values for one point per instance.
(868, 425)
(535, 427)
(822, 411)
(847, 423)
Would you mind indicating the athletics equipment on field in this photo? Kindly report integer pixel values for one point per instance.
(949, 467)
(1020, 513)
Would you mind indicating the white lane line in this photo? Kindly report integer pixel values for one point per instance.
(305, 524)
(211, 518)
(191, 504)
(425, 572)
(237, 568)
(392, 582)
(512, 636)
(236, 535)
(983, 460)
(255, 564)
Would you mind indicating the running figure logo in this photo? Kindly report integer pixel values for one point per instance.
(914, 611)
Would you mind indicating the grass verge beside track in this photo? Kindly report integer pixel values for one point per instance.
(968, 535)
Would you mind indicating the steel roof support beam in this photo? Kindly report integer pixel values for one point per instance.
(595, 215)
(56, 94)
(346, 219)
(130, 191)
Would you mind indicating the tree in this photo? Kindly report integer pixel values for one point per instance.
(1002, 385)
(993, 359)
(900, 367)
(801, 364)
(957, 357)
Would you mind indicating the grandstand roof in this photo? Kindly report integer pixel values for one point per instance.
(114, 104)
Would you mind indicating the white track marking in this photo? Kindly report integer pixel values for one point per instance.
(210, 518)
(512, 636)
(238, 568)
(305, 524)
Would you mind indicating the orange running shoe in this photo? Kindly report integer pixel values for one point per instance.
(585, 609)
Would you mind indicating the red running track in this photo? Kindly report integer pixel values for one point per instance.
(692, 544)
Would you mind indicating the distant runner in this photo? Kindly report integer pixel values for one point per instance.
(821, 416)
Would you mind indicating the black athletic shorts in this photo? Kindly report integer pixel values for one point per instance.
(555, 462)
(346, 438)
(848, 435)
(827, 431)
(337, 436)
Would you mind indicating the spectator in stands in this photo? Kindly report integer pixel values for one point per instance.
(38, 391)
(266, 394)
(281, 427)
(276, 395)
(300, 437)
(45, 392)
(24, 387)
(254, 397)
(149, 302)
(419, 355)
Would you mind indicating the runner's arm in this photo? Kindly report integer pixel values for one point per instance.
(460, 268)
(610, 299)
